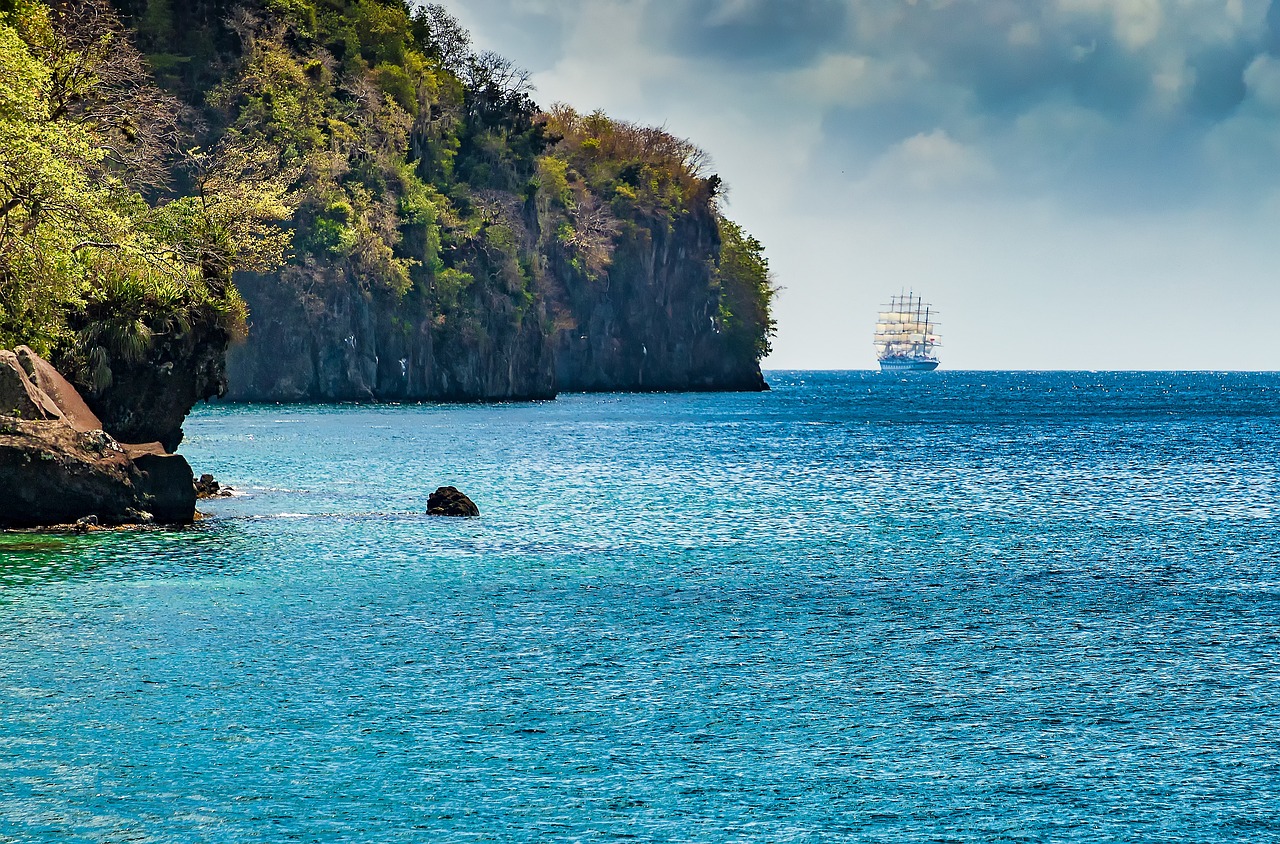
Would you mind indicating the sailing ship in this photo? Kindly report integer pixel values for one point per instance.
(906, 335)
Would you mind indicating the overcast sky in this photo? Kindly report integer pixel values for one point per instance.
(1073, 184)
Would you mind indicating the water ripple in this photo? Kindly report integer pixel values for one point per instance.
(973, 607)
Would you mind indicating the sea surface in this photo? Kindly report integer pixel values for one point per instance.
(959, 607)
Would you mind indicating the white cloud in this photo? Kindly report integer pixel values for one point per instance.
(1024, 34)
(840, 79)
(1136, 23)
(928, 163)
(1262, 78)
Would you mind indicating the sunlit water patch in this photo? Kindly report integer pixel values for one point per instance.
(961, 607)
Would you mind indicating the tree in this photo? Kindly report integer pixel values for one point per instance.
(442, 38)
(746, 291)
(84, 134)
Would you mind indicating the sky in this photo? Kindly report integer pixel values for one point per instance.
(1072, 184)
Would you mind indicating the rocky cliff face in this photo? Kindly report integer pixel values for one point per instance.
(448, 239)
(350, 344)
(57, 465)
(648, 323)
(148, 399)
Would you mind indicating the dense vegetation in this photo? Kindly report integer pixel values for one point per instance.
(95, 255)
(322, 152)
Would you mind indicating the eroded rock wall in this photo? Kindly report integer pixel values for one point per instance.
(645, 324)
(649, 322)
(353, 345)
(57, 465)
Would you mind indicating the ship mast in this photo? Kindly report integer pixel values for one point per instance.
(927, 347)
(905, 328)
(918, 347)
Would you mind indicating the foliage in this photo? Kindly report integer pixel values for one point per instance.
(85, 143)
(747, 291)
(330, 145)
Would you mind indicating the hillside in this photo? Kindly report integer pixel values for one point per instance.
(377, 209)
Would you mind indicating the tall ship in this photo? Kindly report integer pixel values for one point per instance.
(906, 335)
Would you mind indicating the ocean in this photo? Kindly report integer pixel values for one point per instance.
(958, 607)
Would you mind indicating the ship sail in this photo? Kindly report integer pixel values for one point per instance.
(906, 335)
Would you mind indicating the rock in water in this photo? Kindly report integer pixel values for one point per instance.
(52, 474)
(55, 470)
(448, 501)
(208, 487)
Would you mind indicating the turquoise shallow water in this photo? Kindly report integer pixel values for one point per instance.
(963, 607)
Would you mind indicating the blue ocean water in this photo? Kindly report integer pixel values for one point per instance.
(960, 607)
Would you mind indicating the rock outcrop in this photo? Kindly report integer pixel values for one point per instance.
(208, 487)
(149, 399)
(57, 465)
(355, 344)
(51, 383)
(652, 327)
(648, 325)
(449, 501)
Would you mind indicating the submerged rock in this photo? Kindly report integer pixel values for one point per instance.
(448, 501)
(56, 469)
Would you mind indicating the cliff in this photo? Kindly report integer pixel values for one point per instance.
(455, 242)
(350, 344)
(652, 319)
(378, 210)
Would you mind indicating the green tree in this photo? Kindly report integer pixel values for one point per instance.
(85, 137)
(746, 291)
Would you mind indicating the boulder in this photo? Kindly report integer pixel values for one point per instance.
(52, 474)
(20, 397)
(56, 469)
(448, 501)
(52, 384)
(208, 487)
(168, 487)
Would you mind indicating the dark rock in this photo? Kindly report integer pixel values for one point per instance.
(448, 501)
(207, 487)
(652, 327)
(168, 487)
(87, 524)
(357, 345)
(149, 399)
(54, 472)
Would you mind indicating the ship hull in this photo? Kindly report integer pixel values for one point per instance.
(907, 365)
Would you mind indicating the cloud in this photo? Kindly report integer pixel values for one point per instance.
(1007, 156)
(929, 162)
(1138, 101)
(750, 33)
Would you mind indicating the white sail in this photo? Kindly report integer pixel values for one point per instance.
(906, 334)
